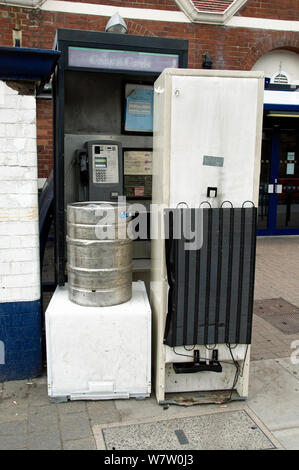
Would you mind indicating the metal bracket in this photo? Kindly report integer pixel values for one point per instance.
(198, 365)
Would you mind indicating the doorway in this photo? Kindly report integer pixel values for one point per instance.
(278, 212)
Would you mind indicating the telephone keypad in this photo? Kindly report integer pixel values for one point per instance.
(100, 176)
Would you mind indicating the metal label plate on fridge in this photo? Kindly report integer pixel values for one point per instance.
(209, 160)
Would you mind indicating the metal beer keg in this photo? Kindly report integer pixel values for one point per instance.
(99, 253)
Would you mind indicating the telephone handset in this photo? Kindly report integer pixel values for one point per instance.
(101, 170)
(82, 161)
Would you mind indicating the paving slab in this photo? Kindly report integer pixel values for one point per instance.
(279, 313)
(71, 407)
(13, 411)
(277, 268)
(45, 440)
(81, 444)
(288, 437)
(12, 428)
(38, 394)
(40, 418)
(230, 430)
(75, 426)
(290, 366)
(269, 342)
(13, 435)
(15, 442)
(15, 390)
(103, 411)
(274, 394)
(136, 409)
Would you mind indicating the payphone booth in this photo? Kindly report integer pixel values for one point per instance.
(103, 113)
(103, 122)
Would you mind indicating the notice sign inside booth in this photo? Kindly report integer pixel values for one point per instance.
(138, 173)
(138, 186)
(138, 162)
(139, 108)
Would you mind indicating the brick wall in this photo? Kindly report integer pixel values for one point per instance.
(274, 9)
(153, 4)
(230, 48)
(44, 137)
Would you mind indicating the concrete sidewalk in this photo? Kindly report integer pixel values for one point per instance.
(29, 421)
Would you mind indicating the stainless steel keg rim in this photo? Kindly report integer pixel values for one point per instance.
(85, 242)
(74, 269)
(96, 204)
(88, 226)
(74, 212)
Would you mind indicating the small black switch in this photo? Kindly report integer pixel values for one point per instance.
(211, 192)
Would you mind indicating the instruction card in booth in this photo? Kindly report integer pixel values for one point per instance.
(139, 108)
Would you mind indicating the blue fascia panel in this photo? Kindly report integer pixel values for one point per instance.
(281, 107)
(20, 336)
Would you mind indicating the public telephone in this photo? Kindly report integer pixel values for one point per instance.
(101, 171)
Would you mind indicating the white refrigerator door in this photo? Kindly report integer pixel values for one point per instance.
(213, 117)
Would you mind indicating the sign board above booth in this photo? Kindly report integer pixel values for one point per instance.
(121, 60)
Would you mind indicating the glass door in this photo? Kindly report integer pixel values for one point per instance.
(278, 212)
(288, 182)
(265, 180)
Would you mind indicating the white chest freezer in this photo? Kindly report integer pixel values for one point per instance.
(97, 353)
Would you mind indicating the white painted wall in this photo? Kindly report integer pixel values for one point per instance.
(274, 61)
(19, 233)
